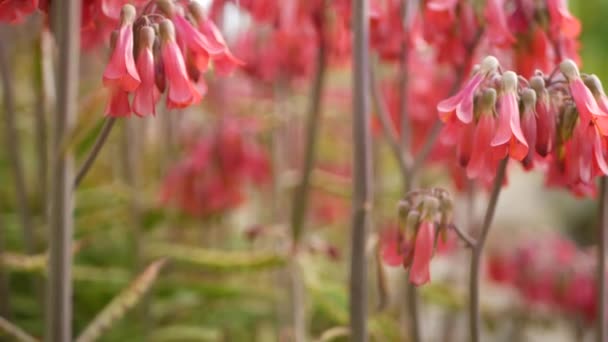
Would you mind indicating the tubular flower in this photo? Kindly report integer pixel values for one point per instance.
(121, 71)
(546, 118)
(462, 102)
(586, 104)
(225, 62)
(484, 160)
(149, 57)
(203, 183)
(509, 133)
(146, 95)
(425, 217)
(181, 92)
(194, 40)
(528, 124)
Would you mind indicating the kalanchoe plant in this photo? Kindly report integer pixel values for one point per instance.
(174, 45)
(425, 218)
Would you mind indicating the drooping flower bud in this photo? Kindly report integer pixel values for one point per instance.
(181, 92)
(546, 124)
(121, 71)
(508, 134)
(146, 95)
(586, 104)
(528, 123)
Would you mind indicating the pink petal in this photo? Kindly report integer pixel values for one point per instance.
(423, 252)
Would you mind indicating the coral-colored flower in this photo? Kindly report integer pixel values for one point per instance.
(509, 133)
(146, 95)
(118, 106)
(546, 124)
(586, 104)
(483, 163)
(462, 102)
(423, 252)
(181, 91)
(393, 247)
(121, 70)
(528, 125)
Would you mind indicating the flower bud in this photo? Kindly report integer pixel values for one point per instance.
(403, 209)
(538, 84)
(167, 7)
(594, 84)
(127, 14)
(569, 69)
(166, 30)
(509, 81)
(528, 98)
(569, 118)
(489, 64)
(488, 100)
(411, 222)
(430, 206)
(146, 37)
(196, 10)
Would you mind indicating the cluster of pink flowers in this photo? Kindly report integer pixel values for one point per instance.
(164, 47)
(559, 121)
(211, 179)
(444, 39)
(287, 34)
(551, 273)
(425, 224)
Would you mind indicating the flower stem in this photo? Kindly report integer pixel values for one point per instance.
(59, 295)
(300, 199)
(601, 328)
(387, 126)
(362, 181)
(99, 143)
(40, 121)
(474, 318)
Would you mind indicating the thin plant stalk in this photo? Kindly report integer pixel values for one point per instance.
(5, 290)
(300, 199)
(302, 192)
(97, 146)
(362, 181)
(40, 123)
(13, 146)
(474, 316)
(403, 84)
(59, 295)
(601, 328)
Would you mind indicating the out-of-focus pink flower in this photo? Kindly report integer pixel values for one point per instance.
(496, 20)
(423, 252)
(13, 11)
